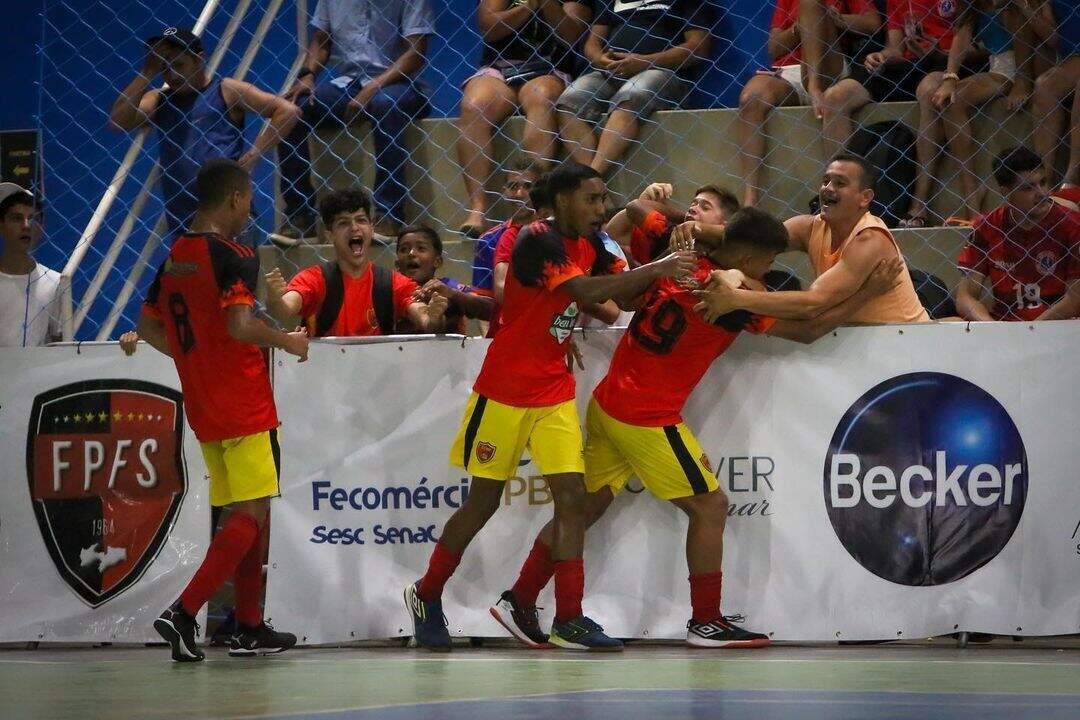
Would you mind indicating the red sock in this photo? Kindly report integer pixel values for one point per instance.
(535, 574)
(569, 588)
(441, 566)
(247, 585)
(226, 550)
(705, 596)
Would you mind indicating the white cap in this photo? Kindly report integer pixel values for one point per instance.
(7, 189)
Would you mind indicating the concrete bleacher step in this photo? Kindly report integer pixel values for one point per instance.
(687, 147)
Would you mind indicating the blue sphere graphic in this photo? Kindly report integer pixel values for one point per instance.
(925, 479)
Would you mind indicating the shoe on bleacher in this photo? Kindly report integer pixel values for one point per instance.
(723, 633)
(429, 623)
(263, 640)
(521, 621)
(583, 633)
(179, 630)
(298, 228)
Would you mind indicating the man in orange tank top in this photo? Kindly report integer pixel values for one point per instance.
(845, 243)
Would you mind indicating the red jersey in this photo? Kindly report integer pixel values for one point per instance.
(525, 364)
(1028, 268)
(357, 315)
(930, 20)
(663, 355)
(504, 249)
(226, 384)
(786, 14)
(650, 239)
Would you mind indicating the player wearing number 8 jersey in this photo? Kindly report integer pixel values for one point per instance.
(524, 398)
(199, 312)
(634, 422)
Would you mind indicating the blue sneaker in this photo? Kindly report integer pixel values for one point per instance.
(429, 624)
(581, 633)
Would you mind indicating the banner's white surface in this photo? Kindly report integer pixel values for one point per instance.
(131, 585)
(367, 486)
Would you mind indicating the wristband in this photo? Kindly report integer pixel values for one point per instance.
(304, 73)
(950, 76)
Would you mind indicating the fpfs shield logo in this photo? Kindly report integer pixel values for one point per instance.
(925, 479)
(105, 464)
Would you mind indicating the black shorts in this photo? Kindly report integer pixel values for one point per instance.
(896, 82)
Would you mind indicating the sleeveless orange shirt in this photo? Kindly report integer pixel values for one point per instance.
(899, 304)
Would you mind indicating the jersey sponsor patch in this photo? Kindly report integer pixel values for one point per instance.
(562, 325)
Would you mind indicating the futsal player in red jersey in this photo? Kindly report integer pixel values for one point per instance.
(524, 396)
(199, 312)
(634, 421)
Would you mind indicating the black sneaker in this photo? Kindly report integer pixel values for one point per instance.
(299, 227)
(582, 633)
(522, 622)
(723, 633)
(429, 624)
(263, 640)
(179, 630)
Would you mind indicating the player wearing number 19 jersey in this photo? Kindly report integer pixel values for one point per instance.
(198, 311)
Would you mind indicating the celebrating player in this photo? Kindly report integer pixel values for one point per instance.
(634, 421)
(199, 312)
(524, 396)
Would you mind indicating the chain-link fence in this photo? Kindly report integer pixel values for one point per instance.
(443, 95)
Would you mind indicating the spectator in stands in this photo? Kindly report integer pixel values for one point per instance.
(1028, 249)
(642, 54)
(29, 291)
(419, 257)
(350, 296)
(808, 44)
(376, 48)
(1055, 22)
(846, 244)
(521, 176)
(919, 34)
(197, 117)
(947, 102)
(526, 62)
(644, 228)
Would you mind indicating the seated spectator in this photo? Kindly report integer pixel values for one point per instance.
(515, 193)
(645, 227)
(918, 37)
(419, 256)
(526, 62)
(642, 54)
(350, 296)
(948, 101)
(376, 51)
(1028, 249)
(197, 117)
(29, 291)
(1055, 22)
(821, 28)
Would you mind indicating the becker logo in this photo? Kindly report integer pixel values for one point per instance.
(925, 479)
(106, 471)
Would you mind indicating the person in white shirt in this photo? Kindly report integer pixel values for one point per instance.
(29, 291)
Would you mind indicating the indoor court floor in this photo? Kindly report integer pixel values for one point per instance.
(1035, 679)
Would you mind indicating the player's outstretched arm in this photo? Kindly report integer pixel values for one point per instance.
(477, 307)
(284, 304)
(880, 280)
(244, 327)
(624, 287)
(830, 289)
(429, 317)
(152, 331)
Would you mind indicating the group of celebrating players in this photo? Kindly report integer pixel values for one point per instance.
(689, 303)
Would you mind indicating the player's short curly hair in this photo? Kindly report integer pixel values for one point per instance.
(757, 230)
(348, 200)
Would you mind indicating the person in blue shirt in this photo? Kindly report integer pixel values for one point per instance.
(196, 117)
(373, 52)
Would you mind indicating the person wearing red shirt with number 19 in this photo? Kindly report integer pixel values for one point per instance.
(1028, 249)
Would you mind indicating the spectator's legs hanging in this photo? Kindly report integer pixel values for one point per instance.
(577, 136)
(1049, 110)
(391, 111)
(841, 101)
(538, 98)
(971, 92)
(762, 93)
(1072, 175)
(823, 60)
(485, 103)
(620, 130)
(294, 158)
(928, 145)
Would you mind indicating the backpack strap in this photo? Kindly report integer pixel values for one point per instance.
(382, 297)
(335, 296)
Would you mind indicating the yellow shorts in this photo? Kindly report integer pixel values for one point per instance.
(243, 468)
(493, 436)
(668, 460)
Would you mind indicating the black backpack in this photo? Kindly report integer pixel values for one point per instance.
(889, 147)
(382, 297)
(933, 294)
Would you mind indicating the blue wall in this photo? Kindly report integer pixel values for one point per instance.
(92, 47)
